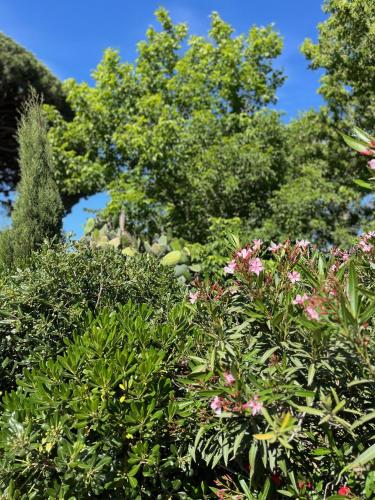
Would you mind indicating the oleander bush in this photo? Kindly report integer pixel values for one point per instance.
(288, 370)
(42, 305)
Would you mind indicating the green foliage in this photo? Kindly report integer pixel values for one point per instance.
(318, 199)
(345, 52)
(247, 394)
(102, 420)
(19, 72)
(42, 305)
(288, 368)
(183, 136)
(38, 209)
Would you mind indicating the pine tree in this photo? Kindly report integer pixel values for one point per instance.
(38, 209)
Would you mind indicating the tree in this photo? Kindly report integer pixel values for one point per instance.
(38, 209)
(19, 71)
(184, 132)
(318, 200)
(345, 51)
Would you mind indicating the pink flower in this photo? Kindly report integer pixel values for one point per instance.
(217, 405)
(334, 268)
(193, 297)
(275, 248)
(303, 243)
(229, 379)
(257, 244)
(345, 256)
(294, 276)
(256, 266)
(255, 405)
(312, 313)
(371, 164)
(231, 267)
(244, 253)
(300, 299)
(365, 247)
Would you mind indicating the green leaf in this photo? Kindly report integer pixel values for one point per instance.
(353, 290)
(310, 375)
(267, 355)
(363, 420)
(365, 457)
(129, 251)
(355, 144)
(89, 226)
(238, 441)
(363, 184)
(310, 411)
(172, 258)
(362, 135)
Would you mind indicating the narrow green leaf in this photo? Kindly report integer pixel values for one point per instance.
(353, 290)
(365, 457)
(310, 375)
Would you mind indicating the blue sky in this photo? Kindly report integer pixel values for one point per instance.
(69, 37)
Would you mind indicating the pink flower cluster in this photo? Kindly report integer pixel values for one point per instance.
(364, 242)
(302, 244)
(254, 405)
(231, 267)
(274, 248)
(246, 256)
(300, 299)
(309, 306)
(193, 297)
(371, 164)
(294, 277)
(256, 266)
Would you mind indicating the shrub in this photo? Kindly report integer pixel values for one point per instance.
(287, 371)
(102, 420)
(42, 305)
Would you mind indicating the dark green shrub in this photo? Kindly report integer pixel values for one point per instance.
(42, 305)
(102, 421)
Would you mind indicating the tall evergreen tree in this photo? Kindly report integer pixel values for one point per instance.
(19, 71)
(38, 209)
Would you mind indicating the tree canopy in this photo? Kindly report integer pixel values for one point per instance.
(187, 131)
(345, 51)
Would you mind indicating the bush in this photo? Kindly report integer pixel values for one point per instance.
(262, 389)
(102, 420)
(288, 370)
(41, 306)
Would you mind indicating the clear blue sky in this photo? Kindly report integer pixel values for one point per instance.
(69, 37)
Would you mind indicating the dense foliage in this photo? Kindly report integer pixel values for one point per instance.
(264, 388)
(42, 305)
(19, 72)
(142, 362)
(38, 208)
(345, 52)
(184, 134)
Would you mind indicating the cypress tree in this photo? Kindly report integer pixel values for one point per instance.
(38, 209)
